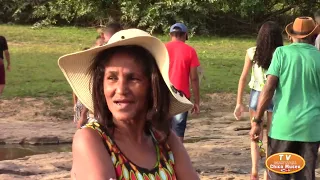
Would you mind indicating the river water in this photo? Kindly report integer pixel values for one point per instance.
(9, 151)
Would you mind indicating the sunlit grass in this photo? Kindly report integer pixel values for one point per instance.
(34, 55)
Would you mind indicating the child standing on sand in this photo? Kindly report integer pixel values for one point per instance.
(258, 60)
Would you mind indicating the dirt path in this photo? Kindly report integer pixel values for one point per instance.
(217, 149)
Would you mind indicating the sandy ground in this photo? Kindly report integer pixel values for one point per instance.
(218, 149)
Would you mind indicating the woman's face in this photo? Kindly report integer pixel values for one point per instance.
(125, 88)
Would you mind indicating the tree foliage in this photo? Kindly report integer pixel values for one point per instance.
(201, 16)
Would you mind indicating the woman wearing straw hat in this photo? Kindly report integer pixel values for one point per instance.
(294, 76)
(126, 84)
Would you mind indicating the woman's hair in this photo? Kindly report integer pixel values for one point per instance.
(269, 38)
(158, 94)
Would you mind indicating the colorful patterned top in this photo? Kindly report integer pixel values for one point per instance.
(127, 170)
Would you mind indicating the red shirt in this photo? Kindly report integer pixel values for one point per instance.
(182, 58)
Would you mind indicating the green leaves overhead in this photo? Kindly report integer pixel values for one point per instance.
(201, 16)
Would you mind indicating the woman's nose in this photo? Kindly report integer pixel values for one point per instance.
(122, 86)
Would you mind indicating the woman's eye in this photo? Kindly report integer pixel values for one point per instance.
(134, 78)
(111, 78)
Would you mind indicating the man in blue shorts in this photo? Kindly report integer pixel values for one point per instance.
(183, 69)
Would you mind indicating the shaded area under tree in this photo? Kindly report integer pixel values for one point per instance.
(220, 17)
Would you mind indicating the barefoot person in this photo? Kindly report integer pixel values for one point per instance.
(257, 62)
(4, 54)
(128, 88)
(294, 77)
(184, 64)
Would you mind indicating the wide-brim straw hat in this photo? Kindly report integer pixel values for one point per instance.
(302, 27)
(75, 67)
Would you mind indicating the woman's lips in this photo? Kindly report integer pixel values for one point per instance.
(123, 104)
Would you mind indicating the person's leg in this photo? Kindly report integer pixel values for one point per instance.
(269, 118)
(1, 88)
(255, 154)
(277, 146)
(179, 124)
(309, 152)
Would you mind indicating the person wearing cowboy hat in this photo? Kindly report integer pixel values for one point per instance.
(125, 83)
(294, 76)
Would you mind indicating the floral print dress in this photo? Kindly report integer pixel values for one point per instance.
(127, 170)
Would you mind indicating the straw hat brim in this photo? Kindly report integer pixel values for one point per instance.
(289, 29)
(75, 66)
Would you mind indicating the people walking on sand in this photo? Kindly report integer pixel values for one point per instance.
(126, 84)
(184, 63)
(4, 54)
(293, 78)
(257, 62)
(317, 19)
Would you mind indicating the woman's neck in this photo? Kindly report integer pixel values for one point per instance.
(133, 130)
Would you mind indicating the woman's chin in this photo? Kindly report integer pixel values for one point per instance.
(123, 116)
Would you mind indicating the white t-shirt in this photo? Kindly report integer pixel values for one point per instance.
(258, 74)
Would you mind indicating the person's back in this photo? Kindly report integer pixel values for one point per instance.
(298, 93)
(183, 67)
(182, 57)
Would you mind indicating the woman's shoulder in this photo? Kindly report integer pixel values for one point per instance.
(250, 52)
(85, 138)
(90, 155)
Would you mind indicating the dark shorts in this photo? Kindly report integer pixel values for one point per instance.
(307, 150)
(2, 74)
(253, 103)
(179, 123)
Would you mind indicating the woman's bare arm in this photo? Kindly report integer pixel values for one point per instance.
(243, 78)
(7, 56)
(91, 160)
(183, 166)
(75, 99)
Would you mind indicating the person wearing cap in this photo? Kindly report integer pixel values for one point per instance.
(317, 19)
(294, 76)
(183, 70)
(125, 83)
